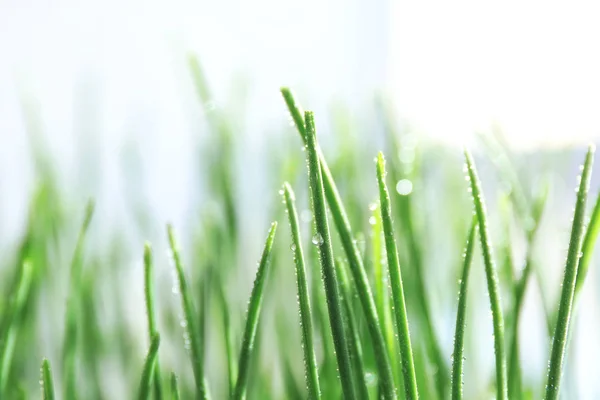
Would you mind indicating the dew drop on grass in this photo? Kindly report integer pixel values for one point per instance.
(369, 378)
(281, 192)
(404, 187)
(372, 220)
(373, 206)
(317, 240)
(293, 247)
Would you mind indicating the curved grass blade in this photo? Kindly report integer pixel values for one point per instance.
(189, 312)
(322, 239)
(73, 305)
(310, 360)
(568, 287)
(491, 276)
(354, 346)
(150, 313)
(253, 317)
(406, 355)
(12, 321)
(461, 317)
(342, 223)
(47, 381)
(587, 248)
(174, 387)
(148, 371)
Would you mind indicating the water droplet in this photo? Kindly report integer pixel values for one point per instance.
(293, 247)
(317, 240)
(183, 323)
(372, 220)
(369, 378)
(281, 192)
(404, 187)
(373, 206)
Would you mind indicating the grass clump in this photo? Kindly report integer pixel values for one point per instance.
(372, 290)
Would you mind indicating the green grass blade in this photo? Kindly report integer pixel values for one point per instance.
(491, 276)
(461, 316)
(174, 387)
(406, 355)
(568, 287)
(322, 239)
(355, 260)
(47, 381)
(382, 297)
(587, 248)
(310, 360)
(412, 237)
(149, 366)
(253, 317)
(354, 346)
(150, 313)
(190, 316)
(12, 322)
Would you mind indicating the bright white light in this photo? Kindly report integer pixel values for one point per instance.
(532, 67)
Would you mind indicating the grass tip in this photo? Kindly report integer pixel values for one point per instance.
(288, 192)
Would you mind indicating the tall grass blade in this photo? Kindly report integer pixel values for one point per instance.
(12, 321)
(148, 372)
(461, 316)
(253, 317)
(381, 283)
(47, 381)
(569, 281)
(409, 168)
(190, 316)
(73, 307)
(150, 313)
(322, 239)
(406, 355)
(355, 260)
(354, 347)
(491, 276)
(310, 360)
